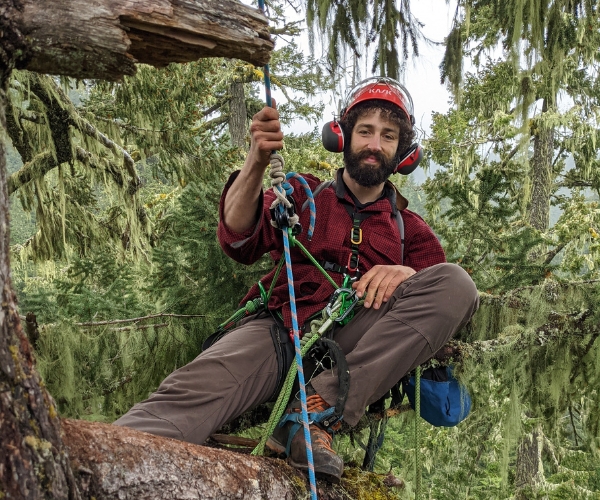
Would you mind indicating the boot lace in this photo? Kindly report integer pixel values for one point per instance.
(316, 404)
(321, 438)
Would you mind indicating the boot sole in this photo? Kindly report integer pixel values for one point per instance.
(330, 477)
(275, 446)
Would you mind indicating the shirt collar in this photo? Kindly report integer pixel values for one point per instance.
(390, 192)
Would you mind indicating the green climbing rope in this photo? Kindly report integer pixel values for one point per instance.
(295, 242)
(417, 435)
(317, 328)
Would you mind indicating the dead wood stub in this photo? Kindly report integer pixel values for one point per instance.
(104, 39)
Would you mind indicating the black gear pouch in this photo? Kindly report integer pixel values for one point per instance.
(285, 353)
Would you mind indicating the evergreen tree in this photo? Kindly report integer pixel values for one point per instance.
(518, 141)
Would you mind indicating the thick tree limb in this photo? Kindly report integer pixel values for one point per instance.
(43, 163)
(17, 134)
(105, 38)
(59, 105)
(39, 166)
(62, 114)
(116, 462)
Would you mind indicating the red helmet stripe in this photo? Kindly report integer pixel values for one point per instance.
(382, 88)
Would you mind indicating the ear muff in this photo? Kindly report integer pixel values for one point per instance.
(410, 160)
(332, 137)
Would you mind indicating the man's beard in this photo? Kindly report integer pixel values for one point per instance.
(368, 175)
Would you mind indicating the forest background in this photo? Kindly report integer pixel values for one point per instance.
(114, 195)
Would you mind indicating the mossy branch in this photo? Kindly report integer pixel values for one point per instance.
(39, 166)
(88, 129)
(141, 318)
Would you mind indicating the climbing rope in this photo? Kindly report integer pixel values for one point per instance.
(296, 331)
(417, 433)
(280, 209)
(317, 328)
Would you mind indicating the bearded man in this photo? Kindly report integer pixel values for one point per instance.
(414, 301)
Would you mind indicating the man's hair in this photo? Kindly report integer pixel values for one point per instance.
(389, 111)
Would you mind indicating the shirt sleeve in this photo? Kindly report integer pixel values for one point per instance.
(423, 248)
(252, 244)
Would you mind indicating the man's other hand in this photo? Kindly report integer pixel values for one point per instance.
(379, 283)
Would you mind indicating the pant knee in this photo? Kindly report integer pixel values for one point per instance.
(459, 295)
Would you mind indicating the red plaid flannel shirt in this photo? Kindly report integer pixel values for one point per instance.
(330, 242)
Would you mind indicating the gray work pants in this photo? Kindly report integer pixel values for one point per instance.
(239, 372)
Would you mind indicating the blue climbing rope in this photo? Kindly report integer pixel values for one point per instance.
(288, 261)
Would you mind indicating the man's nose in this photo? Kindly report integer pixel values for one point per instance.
(375, 143)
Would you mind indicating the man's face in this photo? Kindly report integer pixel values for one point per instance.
(373, 145)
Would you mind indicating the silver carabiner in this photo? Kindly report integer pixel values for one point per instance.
(336, 302)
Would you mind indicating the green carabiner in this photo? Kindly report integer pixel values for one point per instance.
(263, 294)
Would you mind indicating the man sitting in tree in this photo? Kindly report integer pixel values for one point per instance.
(414, 302)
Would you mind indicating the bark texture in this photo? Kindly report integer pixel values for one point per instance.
(117, 462)
(237, 115)
(105, 38)
(541, 175)
(33, 461)
(530, 468)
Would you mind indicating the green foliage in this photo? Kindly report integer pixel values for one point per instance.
(191, 274)
(99, 372)
(350, 27)
(483, 194)
(530, 362)
(22, 223)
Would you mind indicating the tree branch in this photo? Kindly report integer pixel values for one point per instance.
(39, 166)
(141, 318)
(114, 462)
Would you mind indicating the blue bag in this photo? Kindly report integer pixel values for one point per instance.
(444, 401)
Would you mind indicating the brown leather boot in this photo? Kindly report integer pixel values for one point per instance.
(328, 465)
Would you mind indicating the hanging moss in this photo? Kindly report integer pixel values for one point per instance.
(98, 373)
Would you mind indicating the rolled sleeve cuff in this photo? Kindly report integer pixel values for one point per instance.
(228, 237)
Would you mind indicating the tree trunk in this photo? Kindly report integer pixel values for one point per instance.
(105, 38)
(237, 115)
(33, 462)
(541, 173)
(530, 469)
(117, 462)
